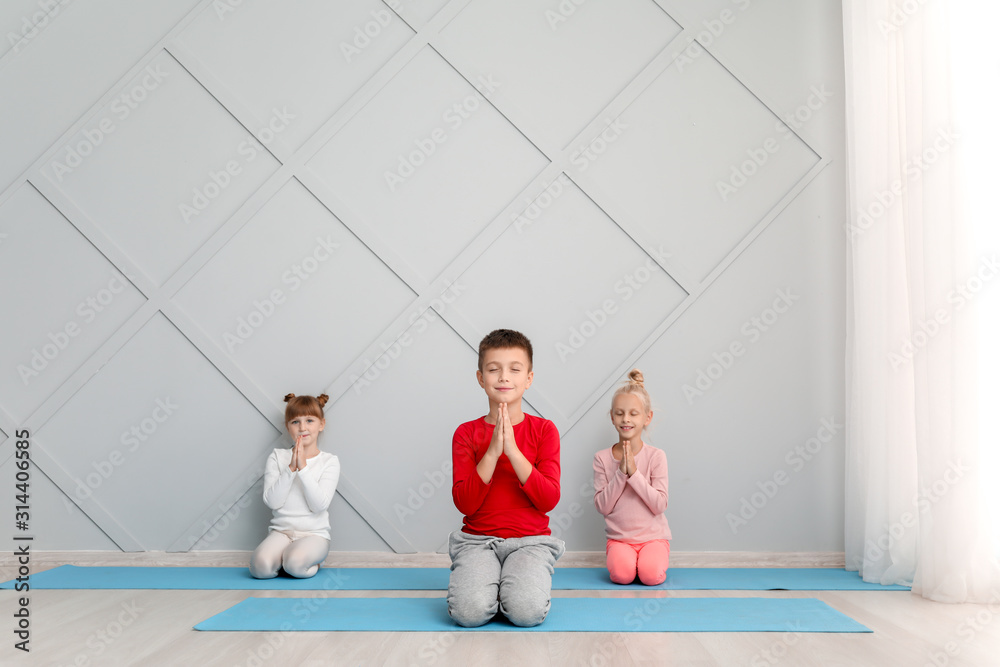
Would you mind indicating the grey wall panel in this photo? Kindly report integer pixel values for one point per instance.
(417, 11)
(63, 300)
(53, 74)
(711, 168)
(552, 58)
(418, 180)
(164, 431)
(777, 48)
(423, 171)
(56, 522)
(318, 295)
(308, 55)
(21, 21)
(165, 166)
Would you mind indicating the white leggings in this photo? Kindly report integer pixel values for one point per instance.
(299, 558)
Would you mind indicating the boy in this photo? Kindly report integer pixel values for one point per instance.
(506, 479)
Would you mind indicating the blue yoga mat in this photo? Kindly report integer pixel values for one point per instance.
(238, 579)
(566, 615)
(725, 579)
(432, 579)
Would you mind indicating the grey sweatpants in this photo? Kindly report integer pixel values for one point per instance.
(512, 574)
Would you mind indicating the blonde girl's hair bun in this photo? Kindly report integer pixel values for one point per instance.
(634, 385)
(322, 399)
(289, 397)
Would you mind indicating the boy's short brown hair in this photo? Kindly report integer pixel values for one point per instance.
(504, 338)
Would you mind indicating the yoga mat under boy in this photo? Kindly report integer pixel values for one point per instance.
(427, 578)
(566, 615)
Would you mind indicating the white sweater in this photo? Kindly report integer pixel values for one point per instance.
(300, 499)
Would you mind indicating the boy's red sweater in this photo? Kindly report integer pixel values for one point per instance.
(505, 508)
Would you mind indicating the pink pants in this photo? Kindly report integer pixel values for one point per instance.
(649, 560)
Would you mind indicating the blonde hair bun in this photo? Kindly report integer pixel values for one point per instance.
(634, 385)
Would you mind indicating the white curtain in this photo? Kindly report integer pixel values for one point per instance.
(920, 490)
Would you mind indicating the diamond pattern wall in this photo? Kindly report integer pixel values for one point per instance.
(230, 201)
(77, 300)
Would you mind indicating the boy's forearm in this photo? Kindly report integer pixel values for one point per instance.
(468, 499)
(542, 486)
(543, 493)
(521, 465)
(542, 483)
(486, 467)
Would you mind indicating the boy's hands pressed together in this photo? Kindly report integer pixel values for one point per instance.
(522, 466)
(503, 423)
(497, 444)
(503, 442)
(488, 463)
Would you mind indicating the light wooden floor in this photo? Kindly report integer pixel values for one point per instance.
(83, 627)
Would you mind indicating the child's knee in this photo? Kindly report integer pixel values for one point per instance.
(300, 570)
(652, 564)
(300, 565)
(262, 567)
(471, 608)
(622, 566)
(622, 573)
(525, 608)
(653, 571)
(653, 577)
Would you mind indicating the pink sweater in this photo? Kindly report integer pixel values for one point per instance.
(632, 506)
